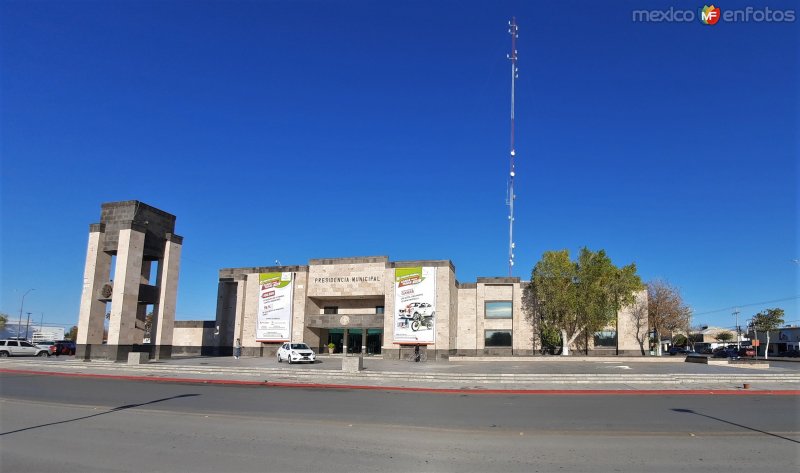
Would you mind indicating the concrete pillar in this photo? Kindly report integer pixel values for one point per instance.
(125, 297)
(241, 292)
(164, 312)
(364, 341)
(344, 342)
(97, 272)
(141, 310)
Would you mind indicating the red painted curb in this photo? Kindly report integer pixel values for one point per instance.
(616, 392)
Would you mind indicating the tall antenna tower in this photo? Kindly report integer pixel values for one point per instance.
(510, 197)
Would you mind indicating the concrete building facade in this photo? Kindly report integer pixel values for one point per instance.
(375, 306)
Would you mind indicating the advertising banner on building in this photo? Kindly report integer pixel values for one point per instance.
(274, 321)
(415, 305)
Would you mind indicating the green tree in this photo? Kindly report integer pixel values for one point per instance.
(767, 320)
(3, 320)
(550, 337)
(553, 285)
(724, 336)
(72, 334)
(580, 296)
(680, 340)
(666, 310)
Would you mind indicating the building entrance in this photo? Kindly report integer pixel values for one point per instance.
(354, 340)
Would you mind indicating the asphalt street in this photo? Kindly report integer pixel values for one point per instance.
(78, 424)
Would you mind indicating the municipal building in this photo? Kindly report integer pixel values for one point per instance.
(368, 305)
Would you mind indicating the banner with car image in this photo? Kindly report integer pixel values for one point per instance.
(274, 320)
(415, 305)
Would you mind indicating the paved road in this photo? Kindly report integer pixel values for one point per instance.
(77, 424)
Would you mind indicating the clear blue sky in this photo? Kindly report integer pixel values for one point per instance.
(296, 130)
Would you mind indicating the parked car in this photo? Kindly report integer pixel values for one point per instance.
(747, 351)
(295, 353)
(46, 344)
(790, 354)
(680, 351)
(21, 348)
(727, 353)
(63, 347)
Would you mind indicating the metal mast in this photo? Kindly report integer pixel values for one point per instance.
(513, 31)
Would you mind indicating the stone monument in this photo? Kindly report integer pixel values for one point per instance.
(134, 237)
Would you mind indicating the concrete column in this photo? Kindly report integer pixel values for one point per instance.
(241, 293)
(344, 342)
(141, 310)
(96, 272)
(364, 341)
(164, 315)
(155, 328)
(125, 297)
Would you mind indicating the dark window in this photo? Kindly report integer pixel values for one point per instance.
(606, 338)
(13, 344)
(498, 338)
(331, 309)
(379, 309)
(498, 309)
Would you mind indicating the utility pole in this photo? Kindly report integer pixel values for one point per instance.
(512, 30)
(27, 325)
(738, 329)
(19, 320)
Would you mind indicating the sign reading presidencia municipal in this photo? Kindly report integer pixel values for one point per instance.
(274, 323)
(415, 305)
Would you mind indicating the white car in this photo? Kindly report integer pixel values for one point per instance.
(21, 348)
(295, 353)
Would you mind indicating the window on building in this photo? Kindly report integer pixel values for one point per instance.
(379, 309)
(498, 338)
(605, 338)
(498, 309)
(331, 309)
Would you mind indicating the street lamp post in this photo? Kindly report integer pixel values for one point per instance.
(27, 325)
(19, 320)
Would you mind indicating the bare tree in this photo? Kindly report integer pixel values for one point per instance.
(639, 318)
(666, 309)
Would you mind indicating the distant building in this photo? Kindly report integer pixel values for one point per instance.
(780, 339)
(706, 338)
(47, 334)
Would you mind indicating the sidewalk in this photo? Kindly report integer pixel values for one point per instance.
(553, 374)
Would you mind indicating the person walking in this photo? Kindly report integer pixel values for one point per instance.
(237, 349)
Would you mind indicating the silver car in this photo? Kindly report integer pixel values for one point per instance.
(21, 348)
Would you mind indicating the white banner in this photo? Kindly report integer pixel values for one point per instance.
(415, 305)
(274, 322)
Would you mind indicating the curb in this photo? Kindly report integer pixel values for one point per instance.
(624, 392)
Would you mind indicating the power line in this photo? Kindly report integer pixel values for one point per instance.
(725, 309)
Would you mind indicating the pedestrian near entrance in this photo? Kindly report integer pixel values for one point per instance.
(237, 349)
